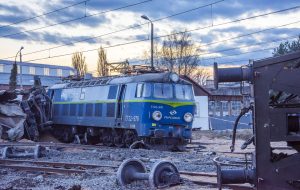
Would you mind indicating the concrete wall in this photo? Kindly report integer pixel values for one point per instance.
(201, 115)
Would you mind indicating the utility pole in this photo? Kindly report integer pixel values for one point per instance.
(21, 75)
(146, 18)
(20, 52)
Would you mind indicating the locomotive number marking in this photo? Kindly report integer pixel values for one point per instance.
(132, 118)
(156, 107)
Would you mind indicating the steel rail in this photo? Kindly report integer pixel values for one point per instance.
(51, 170)
(55, 164)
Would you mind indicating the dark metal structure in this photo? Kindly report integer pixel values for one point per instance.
(276, 113)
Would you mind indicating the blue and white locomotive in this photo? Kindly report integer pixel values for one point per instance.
(155, 107)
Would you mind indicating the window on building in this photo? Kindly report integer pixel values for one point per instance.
(59, 72)
(1, 68)
(46, 71)
(19, 69)
(32, 70)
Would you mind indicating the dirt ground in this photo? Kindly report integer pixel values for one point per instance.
(197, 158)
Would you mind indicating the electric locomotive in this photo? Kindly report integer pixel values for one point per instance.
(157, 108)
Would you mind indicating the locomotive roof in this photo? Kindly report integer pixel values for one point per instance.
(148, 77)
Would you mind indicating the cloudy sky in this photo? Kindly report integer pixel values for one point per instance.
(228, 32)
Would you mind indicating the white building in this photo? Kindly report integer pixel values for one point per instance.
(201, 119)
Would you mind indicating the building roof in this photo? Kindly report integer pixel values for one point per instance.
(7, 62)
(198, 89)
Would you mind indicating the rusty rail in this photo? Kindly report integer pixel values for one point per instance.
(53, 167)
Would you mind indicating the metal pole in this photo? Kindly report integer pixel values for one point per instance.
(21, 78)
(152, 67)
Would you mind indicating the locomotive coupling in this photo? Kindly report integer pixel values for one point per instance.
(162, 174)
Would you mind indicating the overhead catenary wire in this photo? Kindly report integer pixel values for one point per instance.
(192, 30)
(44, 14)
(157, 37)
(238, 20)
(76, 19)
(201, 28)
(117, 31)
(135, 60)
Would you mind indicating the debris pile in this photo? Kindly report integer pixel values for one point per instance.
(24, 112)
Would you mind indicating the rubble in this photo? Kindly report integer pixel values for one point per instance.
(24, 112)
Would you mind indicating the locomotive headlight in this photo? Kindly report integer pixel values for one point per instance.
(174, 77)
(188, 117)
(156, 115)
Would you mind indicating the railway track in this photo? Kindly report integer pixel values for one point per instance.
(50, 144)
(199, 178)
(93, 147)
(54, 167)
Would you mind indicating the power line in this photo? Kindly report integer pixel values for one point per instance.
(201, 28)
(229, 49)
(76, 19)
(249, 34)
(189, 31)
(245, 46)
(246, 52)
(44, 14)
(117, 31)
(138, 41)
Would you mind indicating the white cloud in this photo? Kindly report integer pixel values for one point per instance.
(117, 20)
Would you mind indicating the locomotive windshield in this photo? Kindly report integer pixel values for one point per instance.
(162, 90)
(165, 90)
(183, 92)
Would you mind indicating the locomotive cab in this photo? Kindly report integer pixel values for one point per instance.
(160, 110)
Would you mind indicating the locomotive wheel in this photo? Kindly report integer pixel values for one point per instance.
(108, 139)
(129, 138)
(127, 169)
(163, 174)
(118, 140)
(67, 137)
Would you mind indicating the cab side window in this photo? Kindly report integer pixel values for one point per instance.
(112, 93)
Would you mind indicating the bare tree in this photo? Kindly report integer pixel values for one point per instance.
(178, 53)
(78, 62)
(201, 75)
(102, 63)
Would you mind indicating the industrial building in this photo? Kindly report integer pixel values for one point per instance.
(49, 74)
